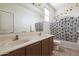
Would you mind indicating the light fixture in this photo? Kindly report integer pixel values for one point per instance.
(36, 4)
(70, 9)
(67, 10)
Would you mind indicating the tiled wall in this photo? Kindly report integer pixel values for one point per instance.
(65, 29)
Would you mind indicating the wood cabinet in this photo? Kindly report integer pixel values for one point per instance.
(45, 48)
(51, 45)
(34, 49)
(41, 48)
(18, 52)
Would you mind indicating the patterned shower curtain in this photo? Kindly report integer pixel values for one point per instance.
(65, 29)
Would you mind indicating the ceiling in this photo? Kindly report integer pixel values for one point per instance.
(58, 6)
(36, 7)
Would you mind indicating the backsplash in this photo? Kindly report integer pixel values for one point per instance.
(65, 29)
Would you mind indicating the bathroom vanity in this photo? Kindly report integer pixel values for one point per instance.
(36, 46)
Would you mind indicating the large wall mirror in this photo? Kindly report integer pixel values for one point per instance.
(14, 18)
(6, 22)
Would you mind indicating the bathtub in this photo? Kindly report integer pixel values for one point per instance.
(67, 44)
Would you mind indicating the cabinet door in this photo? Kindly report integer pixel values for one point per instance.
(51, 45)
(34, 49)
(18, 52)
(45, 47)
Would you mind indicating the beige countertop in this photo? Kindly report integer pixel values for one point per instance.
(7, 47)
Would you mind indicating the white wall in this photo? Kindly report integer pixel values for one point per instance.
(23, 17)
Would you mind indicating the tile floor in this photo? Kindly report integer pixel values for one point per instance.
(62, 51)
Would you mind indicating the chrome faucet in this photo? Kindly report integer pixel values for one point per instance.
(16, 37)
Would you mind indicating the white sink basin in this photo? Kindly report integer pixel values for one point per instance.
(12, 44)
(17, 42)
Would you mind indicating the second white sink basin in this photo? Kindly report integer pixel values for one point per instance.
(17, 42)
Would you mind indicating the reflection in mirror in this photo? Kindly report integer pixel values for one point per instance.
(39, 26)
(6, 22)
